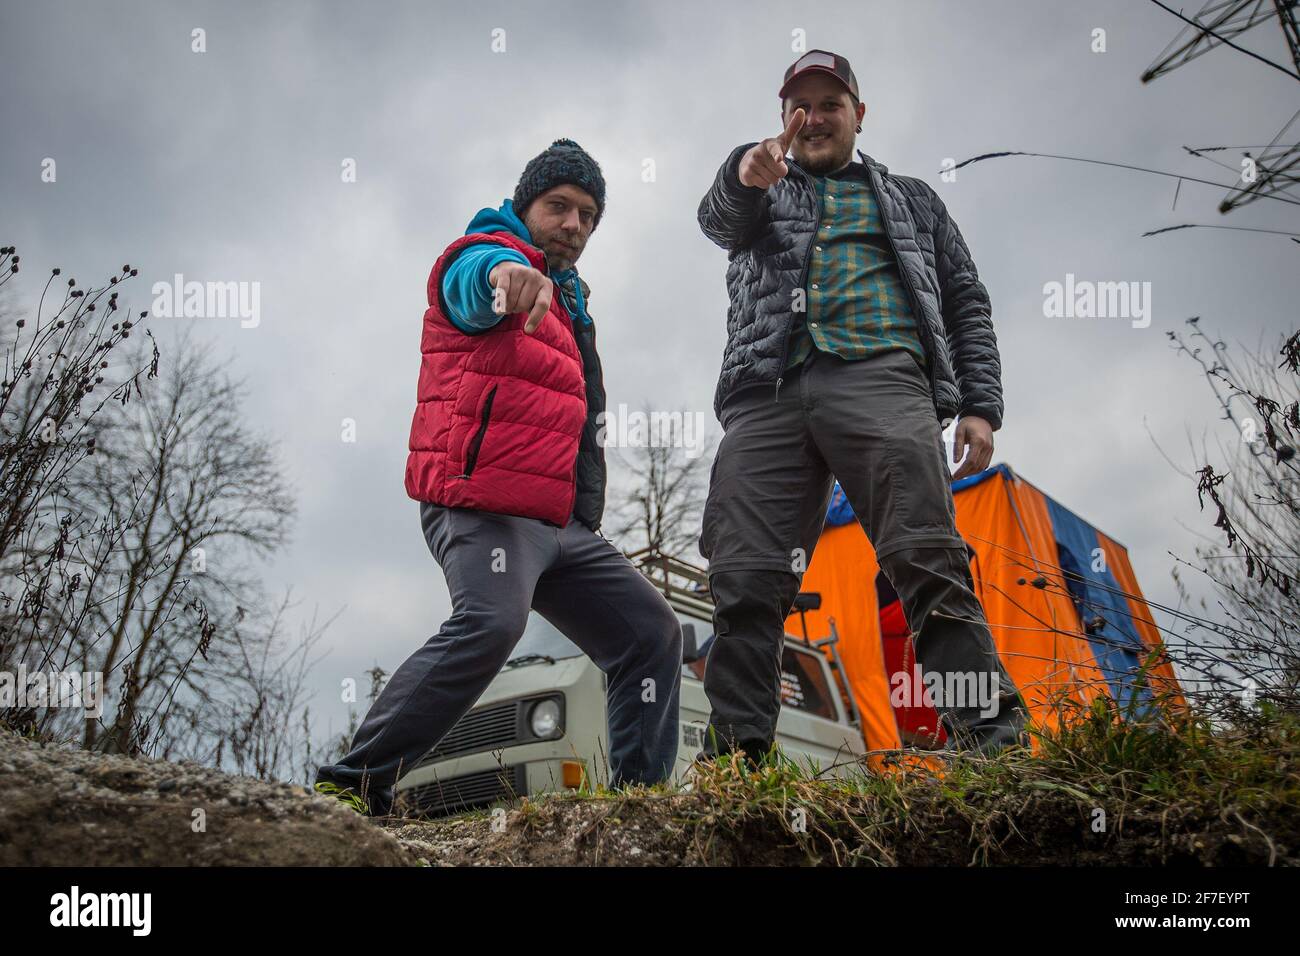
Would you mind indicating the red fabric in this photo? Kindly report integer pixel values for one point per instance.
(917, 719)
(893, 623)
(527, 453)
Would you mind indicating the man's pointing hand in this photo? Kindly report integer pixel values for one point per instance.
(520, 288)
(765, 163)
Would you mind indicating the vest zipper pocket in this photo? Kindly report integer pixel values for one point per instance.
(471, 454)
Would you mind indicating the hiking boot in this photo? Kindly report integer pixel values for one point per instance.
(345, 795)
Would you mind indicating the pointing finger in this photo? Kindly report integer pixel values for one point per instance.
(792, 128)
(501, 295)
(541, 305)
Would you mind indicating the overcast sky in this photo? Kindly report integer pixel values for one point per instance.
(225, 165)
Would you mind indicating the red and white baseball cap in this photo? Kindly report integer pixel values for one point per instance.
(820, 61)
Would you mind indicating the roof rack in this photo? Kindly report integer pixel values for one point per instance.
(680, 581)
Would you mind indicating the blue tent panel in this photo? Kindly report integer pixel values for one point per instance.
(1097, 595)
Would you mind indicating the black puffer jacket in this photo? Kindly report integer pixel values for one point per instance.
(768, 233)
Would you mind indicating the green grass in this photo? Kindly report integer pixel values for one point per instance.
(1106, 790)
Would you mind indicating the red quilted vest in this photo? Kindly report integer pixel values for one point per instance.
(499, 414)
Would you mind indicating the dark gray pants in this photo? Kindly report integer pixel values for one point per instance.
(497, 567)
(871, 424)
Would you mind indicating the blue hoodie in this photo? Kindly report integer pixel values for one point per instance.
(465, 286)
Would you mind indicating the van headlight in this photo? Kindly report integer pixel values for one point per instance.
(544, 719)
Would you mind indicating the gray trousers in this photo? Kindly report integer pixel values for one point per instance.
(497, 567)
(871, 424)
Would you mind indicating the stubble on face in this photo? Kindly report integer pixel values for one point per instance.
(822, 162)
(561, 248)
(560, 258)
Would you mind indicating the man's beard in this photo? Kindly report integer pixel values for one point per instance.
(560, 259)
(829, 164)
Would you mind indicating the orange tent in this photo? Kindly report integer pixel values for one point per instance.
(1061, 599)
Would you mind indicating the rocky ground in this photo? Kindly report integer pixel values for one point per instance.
(63, 807)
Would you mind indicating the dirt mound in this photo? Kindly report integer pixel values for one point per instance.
(694, 830)
(817, 825)
(1190, 800)
(64, 807)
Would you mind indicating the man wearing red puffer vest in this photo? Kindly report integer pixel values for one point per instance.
(510, 475)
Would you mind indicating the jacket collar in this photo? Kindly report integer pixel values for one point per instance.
(880, 168)
(870, 163)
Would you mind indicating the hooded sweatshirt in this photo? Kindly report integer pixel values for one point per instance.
(465, 286)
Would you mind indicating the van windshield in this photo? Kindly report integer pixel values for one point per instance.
(542, 640)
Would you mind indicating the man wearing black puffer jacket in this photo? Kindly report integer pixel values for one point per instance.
(858, 329)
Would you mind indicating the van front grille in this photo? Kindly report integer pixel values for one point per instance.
(494, 727)
(471, 792)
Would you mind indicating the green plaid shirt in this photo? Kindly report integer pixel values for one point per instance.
(857, 302)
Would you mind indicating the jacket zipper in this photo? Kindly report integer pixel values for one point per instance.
(918, 317)
(803, 284)
(471, 456)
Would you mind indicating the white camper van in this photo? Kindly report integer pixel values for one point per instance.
(540, 726)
